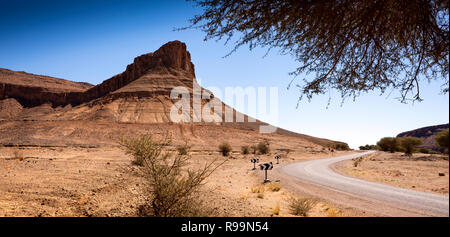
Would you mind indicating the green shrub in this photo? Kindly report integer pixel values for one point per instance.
(340, 146)
(225, 148)
(442, 139)
(263, 147)
(389, 144)
(245, 150)
(173, 190)
(409, 144)
(144, 147)
(369, 147)
(427, 151)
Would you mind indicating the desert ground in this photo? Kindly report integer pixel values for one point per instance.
(422, 172)
(71, 181)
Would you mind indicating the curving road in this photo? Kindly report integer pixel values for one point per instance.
(319, 173)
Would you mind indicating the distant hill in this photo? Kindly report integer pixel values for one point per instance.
(427, 134)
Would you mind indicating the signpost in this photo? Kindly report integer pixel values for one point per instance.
(254, 161)
(277, 157)
(265, 167)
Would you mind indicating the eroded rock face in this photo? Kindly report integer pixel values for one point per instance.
(172, 58)
(9, 108)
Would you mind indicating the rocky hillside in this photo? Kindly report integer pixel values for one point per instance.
(139, 95)
(427, 134)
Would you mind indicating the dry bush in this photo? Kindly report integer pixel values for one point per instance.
(225, 148)
(357, 161)
(263, 147)
(260, 195)
(183, 149)
(301, 206)
(18, 154)
(274, 187)
(332, 212)
(172, 190)
(254, 149)
(245, 150)
(276, 210)
(258, 189)
(144, 147)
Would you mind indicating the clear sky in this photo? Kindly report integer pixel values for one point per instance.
(93, 40)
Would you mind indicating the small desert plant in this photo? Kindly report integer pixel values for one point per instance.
(274, 187)
(144, 147)
(258, 189)
(263, 147)
(183, 149)
(225, 148)
(301, 206)
(17, 154)
(357, 161)
(173, 189)
(332, 212)
(245, 150)
(254, 149)
(276, 210)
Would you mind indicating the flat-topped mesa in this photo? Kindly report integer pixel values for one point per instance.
(172, 56)
(171, 59)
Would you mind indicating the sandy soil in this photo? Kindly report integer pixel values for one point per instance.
(419, 172)
(65, 181)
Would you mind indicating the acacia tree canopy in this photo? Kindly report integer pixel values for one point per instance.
(351, 46)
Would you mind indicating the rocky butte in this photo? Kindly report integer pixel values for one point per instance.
(42, 110)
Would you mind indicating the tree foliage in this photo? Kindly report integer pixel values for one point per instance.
(409, 144)
(340, 146)
(442, 139)
(388, 144)
(352, 46)
(369, 147)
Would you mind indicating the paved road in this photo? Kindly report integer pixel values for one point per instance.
(318, 172)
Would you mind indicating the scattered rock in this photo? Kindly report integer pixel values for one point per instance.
(441, 174)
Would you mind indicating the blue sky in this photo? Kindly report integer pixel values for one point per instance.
(94, 40)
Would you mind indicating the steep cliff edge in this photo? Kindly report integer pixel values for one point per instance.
(33, 90)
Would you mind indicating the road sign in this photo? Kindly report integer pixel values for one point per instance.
(254, 161)
(266, 167)
(277, 157)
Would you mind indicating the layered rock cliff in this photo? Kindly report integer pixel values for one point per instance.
(171, 59)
